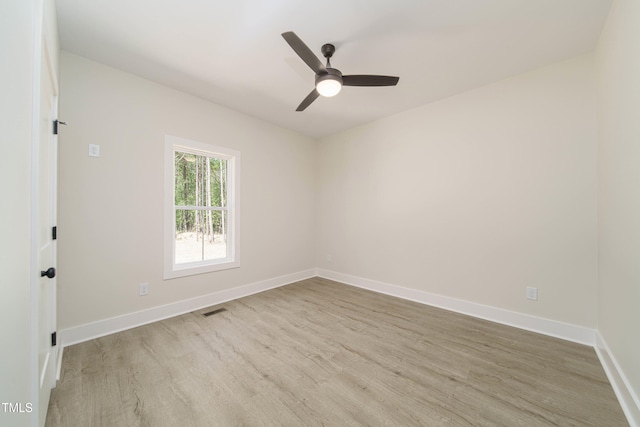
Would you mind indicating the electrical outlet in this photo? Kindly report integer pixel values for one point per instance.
(532, 293)
(144, 288)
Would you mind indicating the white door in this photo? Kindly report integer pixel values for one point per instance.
(45, 315)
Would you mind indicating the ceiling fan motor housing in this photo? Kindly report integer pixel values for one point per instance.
(331, 74)
(328, 50)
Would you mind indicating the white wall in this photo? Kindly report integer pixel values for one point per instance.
(111, 208)
(16, 76)
(618, 70)
(474, 197)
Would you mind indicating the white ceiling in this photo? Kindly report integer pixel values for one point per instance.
(232, 53)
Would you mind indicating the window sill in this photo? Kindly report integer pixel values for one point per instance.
(199, 269)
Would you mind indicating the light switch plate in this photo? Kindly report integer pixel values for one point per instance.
(94, 150)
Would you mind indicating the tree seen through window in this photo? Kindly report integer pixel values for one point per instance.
(200, 207)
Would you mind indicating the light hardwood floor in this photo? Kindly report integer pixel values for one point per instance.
(319, 352)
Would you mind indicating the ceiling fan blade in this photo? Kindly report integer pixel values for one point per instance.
(308, 100)
(303, 52)
(366, 80)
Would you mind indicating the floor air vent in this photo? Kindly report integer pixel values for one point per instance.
(216, 311)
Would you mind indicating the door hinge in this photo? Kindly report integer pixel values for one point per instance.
(55, 126)
(54, 339)
(54, 232)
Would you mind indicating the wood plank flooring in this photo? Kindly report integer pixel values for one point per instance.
(318, 353)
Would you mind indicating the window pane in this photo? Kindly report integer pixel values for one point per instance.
(201, 235)
(217, 179)
(200, 180)
(185, 179)
(218, 182)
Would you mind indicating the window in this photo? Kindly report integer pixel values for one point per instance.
(201, 207)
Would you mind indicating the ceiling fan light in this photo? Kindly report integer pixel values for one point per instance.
(328, 86)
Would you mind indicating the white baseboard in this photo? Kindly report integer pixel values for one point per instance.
(552, 328)
(59, 367)
(626, 396)
(628, 399)
(104, 327)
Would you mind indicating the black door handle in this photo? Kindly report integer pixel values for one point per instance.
(50, 273)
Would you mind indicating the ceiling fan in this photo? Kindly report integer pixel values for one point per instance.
(329, 80)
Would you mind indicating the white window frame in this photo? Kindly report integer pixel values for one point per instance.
(171, 269)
